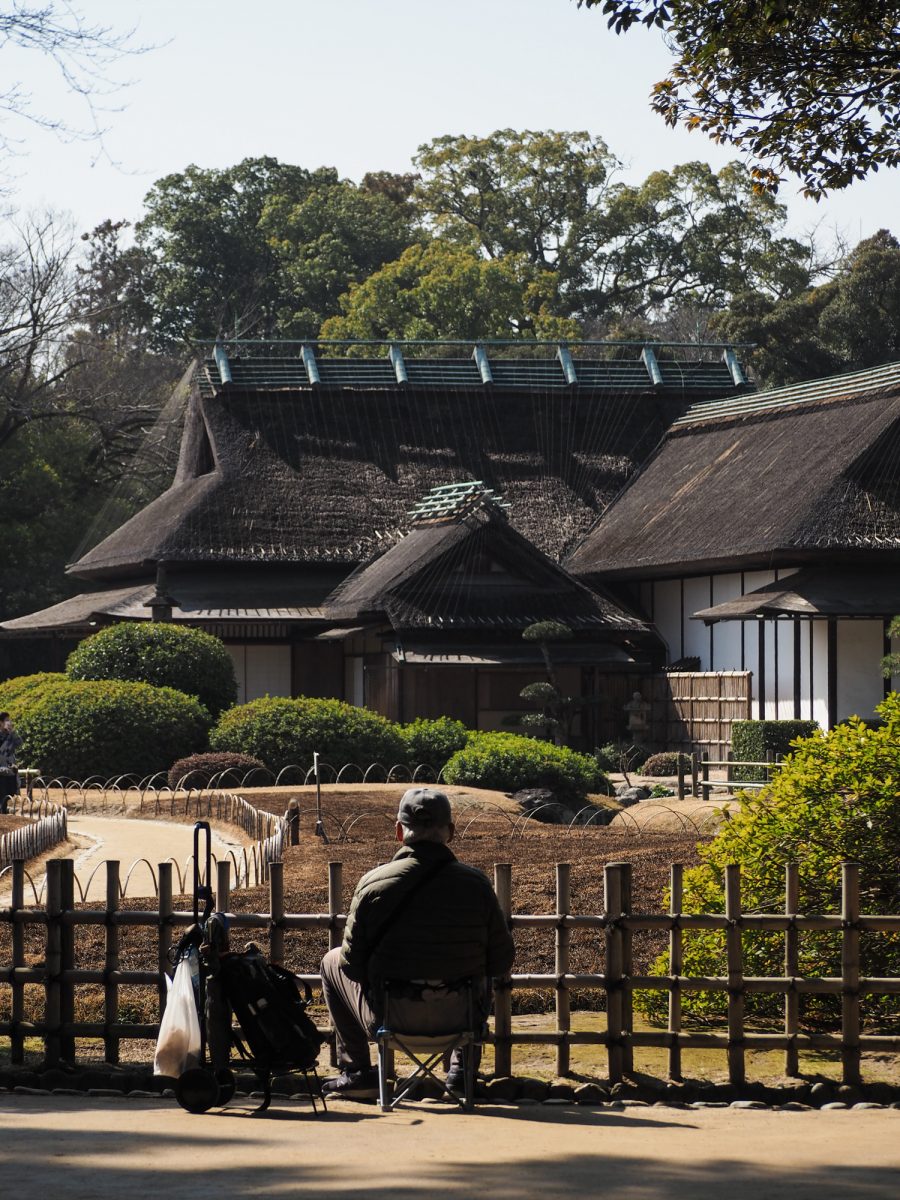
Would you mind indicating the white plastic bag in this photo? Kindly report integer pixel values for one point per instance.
(178, 1045)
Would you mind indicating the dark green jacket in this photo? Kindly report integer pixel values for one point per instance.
(452, 928)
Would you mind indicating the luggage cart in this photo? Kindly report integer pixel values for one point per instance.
(220, 995)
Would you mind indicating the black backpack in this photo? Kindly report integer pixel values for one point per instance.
(271, 1012)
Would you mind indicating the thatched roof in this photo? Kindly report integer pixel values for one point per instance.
(277, 469)
(219, 601)
(471, 570)
(780, 478)
(816, 593)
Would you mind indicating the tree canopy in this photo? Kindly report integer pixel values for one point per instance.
(807, 87)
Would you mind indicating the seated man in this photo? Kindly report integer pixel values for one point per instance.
(422, 917)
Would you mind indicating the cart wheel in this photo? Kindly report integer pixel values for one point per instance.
(227, 1083)
(197, 1090)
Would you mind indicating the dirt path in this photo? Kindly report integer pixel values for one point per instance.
(98, 839)
(72, 1147)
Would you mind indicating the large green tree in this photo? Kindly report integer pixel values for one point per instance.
(260, 249)
(807, 87)
(616, 250)
(846, 324)
(443, 290)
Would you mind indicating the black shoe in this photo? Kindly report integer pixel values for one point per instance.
(455, 1083)
(352, 1085)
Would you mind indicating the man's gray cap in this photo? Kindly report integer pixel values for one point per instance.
(422, 808)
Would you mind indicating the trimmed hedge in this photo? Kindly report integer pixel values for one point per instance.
(17, 693)
(507, 762)
(110, 727)
(199, 770)
(281, 731)
(665, 763)
(751, 740)
(165, 655)
(433, 741)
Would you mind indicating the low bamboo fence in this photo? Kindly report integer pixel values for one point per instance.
(59, 975)
(44, 830)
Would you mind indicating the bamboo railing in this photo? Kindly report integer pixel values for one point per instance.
(38, 835)
(59, 975)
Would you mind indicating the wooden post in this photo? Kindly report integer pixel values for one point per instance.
(850, 1047)
(704, 775)
(165, 930)
(503, 993)
(791, 968)
(563, 1000)
(276, 910)
(67, 961)
(680, 776)
(627, 972)
(111, 963)
(676, 966)
(734, 958)
(335, 935)
(17, 902)
(223, 885)
(53, 961)
(695, 786)
(614, 897)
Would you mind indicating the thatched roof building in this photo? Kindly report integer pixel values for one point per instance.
(775, 479)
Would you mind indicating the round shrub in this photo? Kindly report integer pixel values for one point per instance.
(282, 731)
(199, 770)
(665, 763)
(17, 693)
(109, 727)
(433, 741)
(507, 762)
(165, 655)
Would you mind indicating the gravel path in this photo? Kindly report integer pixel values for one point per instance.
(81, 1147)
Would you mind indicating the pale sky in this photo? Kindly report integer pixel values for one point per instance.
(359, 84)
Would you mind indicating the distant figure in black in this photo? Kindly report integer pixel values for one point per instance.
(9, 776)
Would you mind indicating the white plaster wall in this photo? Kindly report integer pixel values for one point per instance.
(860, 685)
(261, 670)
(696, 633)
(726, 635)
(807, 705)
(820, 673)
(784, 631)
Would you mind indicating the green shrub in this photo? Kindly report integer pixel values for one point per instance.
(751, 740)
(282, 731)
(507, 762)
(17, 693)
(199, 770)
(665, 763)
(165, 655)
(433, 742)
(109, 727)
(836, 799)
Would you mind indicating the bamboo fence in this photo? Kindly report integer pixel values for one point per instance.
(59, 976)
(40, 834)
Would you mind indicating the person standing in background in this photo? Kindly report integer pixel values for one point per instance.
(9, 776)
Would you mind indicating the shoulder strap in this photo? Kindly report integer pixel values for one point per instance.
(425, 877)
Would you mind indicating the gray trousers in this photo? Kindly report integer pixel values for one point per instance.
(355, 1021)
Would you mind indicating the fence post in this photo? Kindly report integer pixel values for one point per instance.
(680, 776)
(111, 963)
(17, 902)
(563, 1000)
(695, 787)
(734, 959)
(53, 961)
(223, 885)
(503, 994)
(165, 930)
(617, 891)
(704, 775)
(276, 912)
(850, 1047)
(791, 968)
(676, 966)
